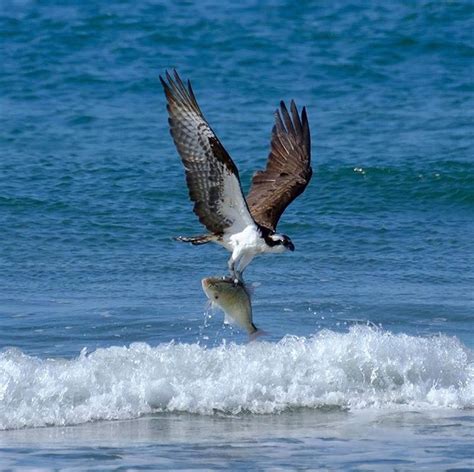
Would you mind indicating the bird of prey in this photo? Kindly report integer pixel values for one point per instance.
(245, 226)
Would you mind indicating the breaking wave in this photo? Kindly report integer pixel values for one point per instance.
(363, 368)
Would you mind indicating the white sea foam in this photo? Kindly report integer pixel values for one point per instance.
(364, 368)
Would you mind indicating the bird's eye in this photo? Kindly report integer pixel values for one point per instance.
(216, 296)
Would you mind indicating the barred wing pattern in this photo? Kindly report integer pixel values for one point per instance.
(288, 169)
(211, 175)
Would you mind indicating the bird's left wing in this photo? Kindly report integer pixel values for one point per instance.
(288, 170)
(211, 175)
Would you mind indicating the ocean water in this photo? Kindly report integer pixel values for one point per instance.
(109, 356)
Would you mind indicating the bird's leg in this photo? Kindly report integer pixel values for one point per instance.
(237, 263)
(231, 265)
(240, 264)
(235, 273)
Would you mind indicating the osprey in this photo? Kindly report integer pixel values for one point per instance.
(245, 226)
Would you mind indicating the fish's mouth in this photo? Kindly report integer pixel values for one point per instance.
(208, 287)
(213, 282)
(206, 284)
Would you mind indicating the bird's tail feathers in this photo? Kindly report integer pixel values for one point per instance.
(196, 240)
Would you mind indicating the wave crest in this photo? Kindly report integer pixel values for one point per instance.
(363, 368)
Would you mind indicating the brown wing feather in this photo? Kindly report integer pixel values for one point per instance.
(288, 170)
(211, 175)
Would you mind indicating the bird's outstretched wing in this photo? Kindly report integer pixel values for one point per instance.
(288, 170)
(212, 177)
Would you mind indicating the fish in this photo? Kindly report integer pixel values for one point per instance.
(233, 298)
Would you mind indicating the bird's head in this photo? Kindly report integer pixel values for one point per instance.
(281, 242)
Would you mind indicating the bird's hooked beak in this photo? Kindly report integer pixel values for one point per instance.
(290, 246)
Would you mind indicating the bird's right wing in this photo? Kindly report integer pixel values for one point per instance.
(211, 175)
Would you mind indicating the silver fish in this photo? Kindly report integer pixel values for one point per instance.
(233, 298)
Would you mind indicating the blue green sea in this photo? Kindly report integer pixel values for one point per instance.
(110, 358)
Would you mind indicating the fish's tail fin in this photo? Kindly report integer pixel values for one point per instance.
(196, 240)
(256, 334)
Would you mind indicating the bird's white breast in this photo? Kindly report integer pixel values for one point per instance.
(248, 240)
